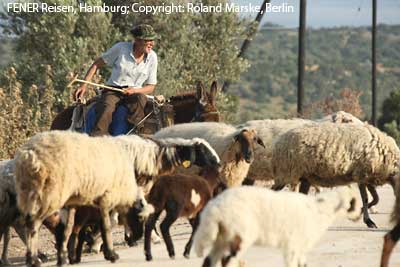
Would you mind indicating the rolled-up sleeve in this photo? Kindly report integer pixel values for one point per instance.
(152, 79)
(111, 54)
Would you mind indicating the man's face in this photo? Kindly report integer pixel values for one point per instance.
(144, 46)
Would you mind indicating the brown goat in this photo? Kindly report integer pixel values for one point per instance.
(180, 196)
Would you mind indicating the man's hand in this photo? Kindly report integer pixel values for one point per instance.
(80, 92)
(130, 91)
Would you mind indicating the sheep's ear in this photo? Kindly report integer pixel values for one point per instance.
(213, 93)
(260, 141)
(201, 93)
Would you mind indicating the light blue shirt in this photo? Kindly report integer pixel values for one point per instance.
(125, 71)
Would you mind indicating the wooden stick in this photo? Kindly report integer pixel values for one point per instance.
(96, 84)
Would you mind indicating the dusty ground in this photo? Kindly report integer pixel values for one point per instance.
(346, 244)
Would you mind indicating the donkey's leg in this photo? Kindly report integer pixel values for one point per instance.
(7, 236)
(108, 247)
(148, 229)
(364, 197)
(390, 241)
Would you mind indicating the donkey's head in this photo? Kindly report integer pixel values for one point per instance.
(206, 109)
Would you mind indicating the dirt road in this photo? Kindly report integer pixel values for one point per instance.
(346, 244)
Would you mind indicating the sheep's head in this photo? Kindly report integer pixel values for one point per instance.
(136, 218)
(246, 140)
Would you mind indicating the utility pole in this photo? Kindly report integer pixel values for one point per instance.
(249, 38)
(301, 59)
(374, 11)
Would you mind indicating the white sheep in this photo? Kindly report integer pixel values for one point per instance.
(246, 216)
(234, 146)
(328, 154)
(9, 213)
(59, 168)
(8, 207)
(270, 130)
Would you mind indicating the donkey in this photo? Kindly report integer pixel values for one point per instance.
(187, 107)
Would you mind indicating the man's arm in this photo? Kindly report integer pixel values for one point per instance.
(148, 89)
(97, 64)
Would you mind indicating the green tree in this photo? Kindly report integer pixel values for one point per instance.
(193, 46)
(390, 119)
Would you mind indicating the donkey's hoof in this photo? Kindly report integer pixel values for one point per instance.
(186, 255)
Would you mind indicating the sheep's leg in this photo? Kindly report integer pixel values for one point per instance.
(108, 247)
(194, 223)
(292, 259)
(7, 236)
(149, 226)
(364, 197)
(32, 232)
(390, 241)
(19, 228)
(170, 218)
(374, 194)
(304, 186)
(215, 255)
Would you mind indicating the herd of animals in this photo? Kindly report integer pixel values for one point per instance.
(80, 186)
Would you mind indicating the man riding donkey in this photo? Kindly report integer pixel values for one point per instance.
(134, 69)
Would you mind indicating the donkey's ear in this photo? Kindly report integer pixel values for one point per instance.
(201, 93)
(213, 92)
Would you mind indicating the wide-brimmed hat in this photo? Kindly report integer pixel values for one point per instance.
(145, 32)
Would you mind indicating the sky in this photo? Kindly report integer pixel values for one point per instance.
(333, 13)
(326, 13)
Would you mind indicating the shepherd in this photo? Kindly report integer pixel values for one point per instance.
(134, 69)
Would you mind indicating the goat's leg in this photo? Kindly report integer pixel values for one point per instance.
(304, 186)
(170, 218)
(72, 243)
(148, 228)
(79, 247)
(108, 247)
(374, 194)
(364, 197)
(32, 232)
(194, 223)
(7, 235)
(390, 241)
(62, 237)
